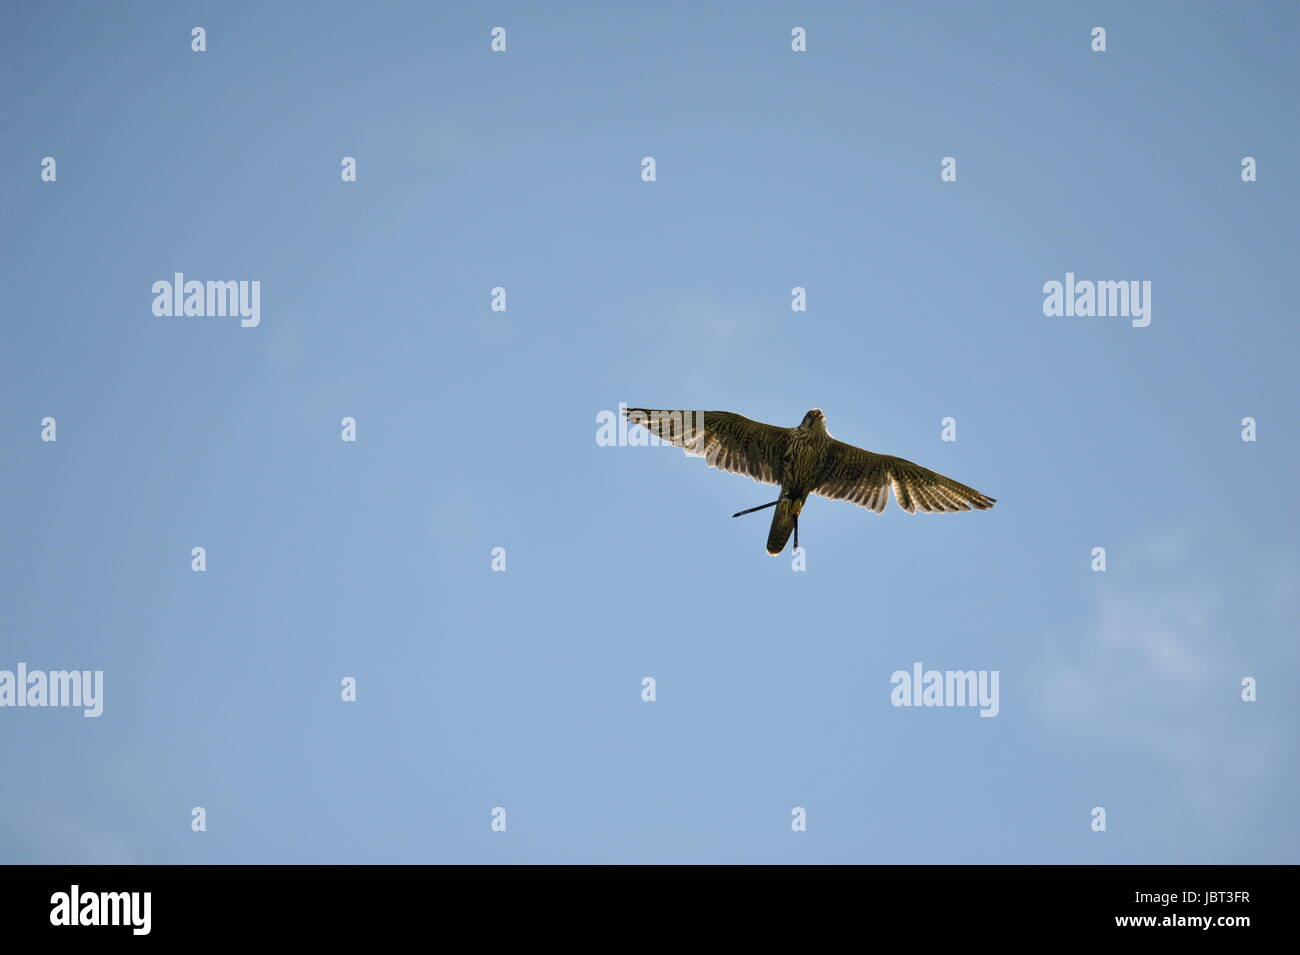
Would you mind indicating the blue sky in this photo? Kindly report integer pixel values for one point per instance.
(476, 429)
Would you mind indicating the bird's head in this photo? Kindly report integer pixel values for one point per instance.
(813, 421)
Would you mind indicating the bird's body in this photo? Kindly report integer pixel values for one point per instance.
(805, 451)
(806, 460)
(801, 461)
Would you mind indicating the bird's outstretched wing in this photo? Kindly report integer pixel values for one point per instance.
(727, 441)
(864, 478)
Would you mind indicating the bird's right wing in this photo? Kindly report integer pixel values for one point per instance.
(727, 441)
(866, 478)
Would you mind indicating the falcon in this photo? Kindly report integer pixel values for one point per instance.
(805, 460)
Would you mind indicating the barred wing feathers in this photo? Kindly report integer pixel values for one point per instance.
(727, 441)
(866, 478)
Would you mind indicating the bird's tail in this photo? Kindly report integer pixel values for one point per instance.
(782, 525)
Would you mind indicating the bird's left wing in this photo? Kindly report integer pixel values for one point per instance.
(727, 441)
(865, 478)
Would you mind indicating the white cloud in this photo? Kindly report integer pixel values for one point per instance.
(1156, 669)
(61, 836)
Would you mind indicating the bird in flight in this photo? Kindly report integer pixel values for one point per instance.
(805, 460)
